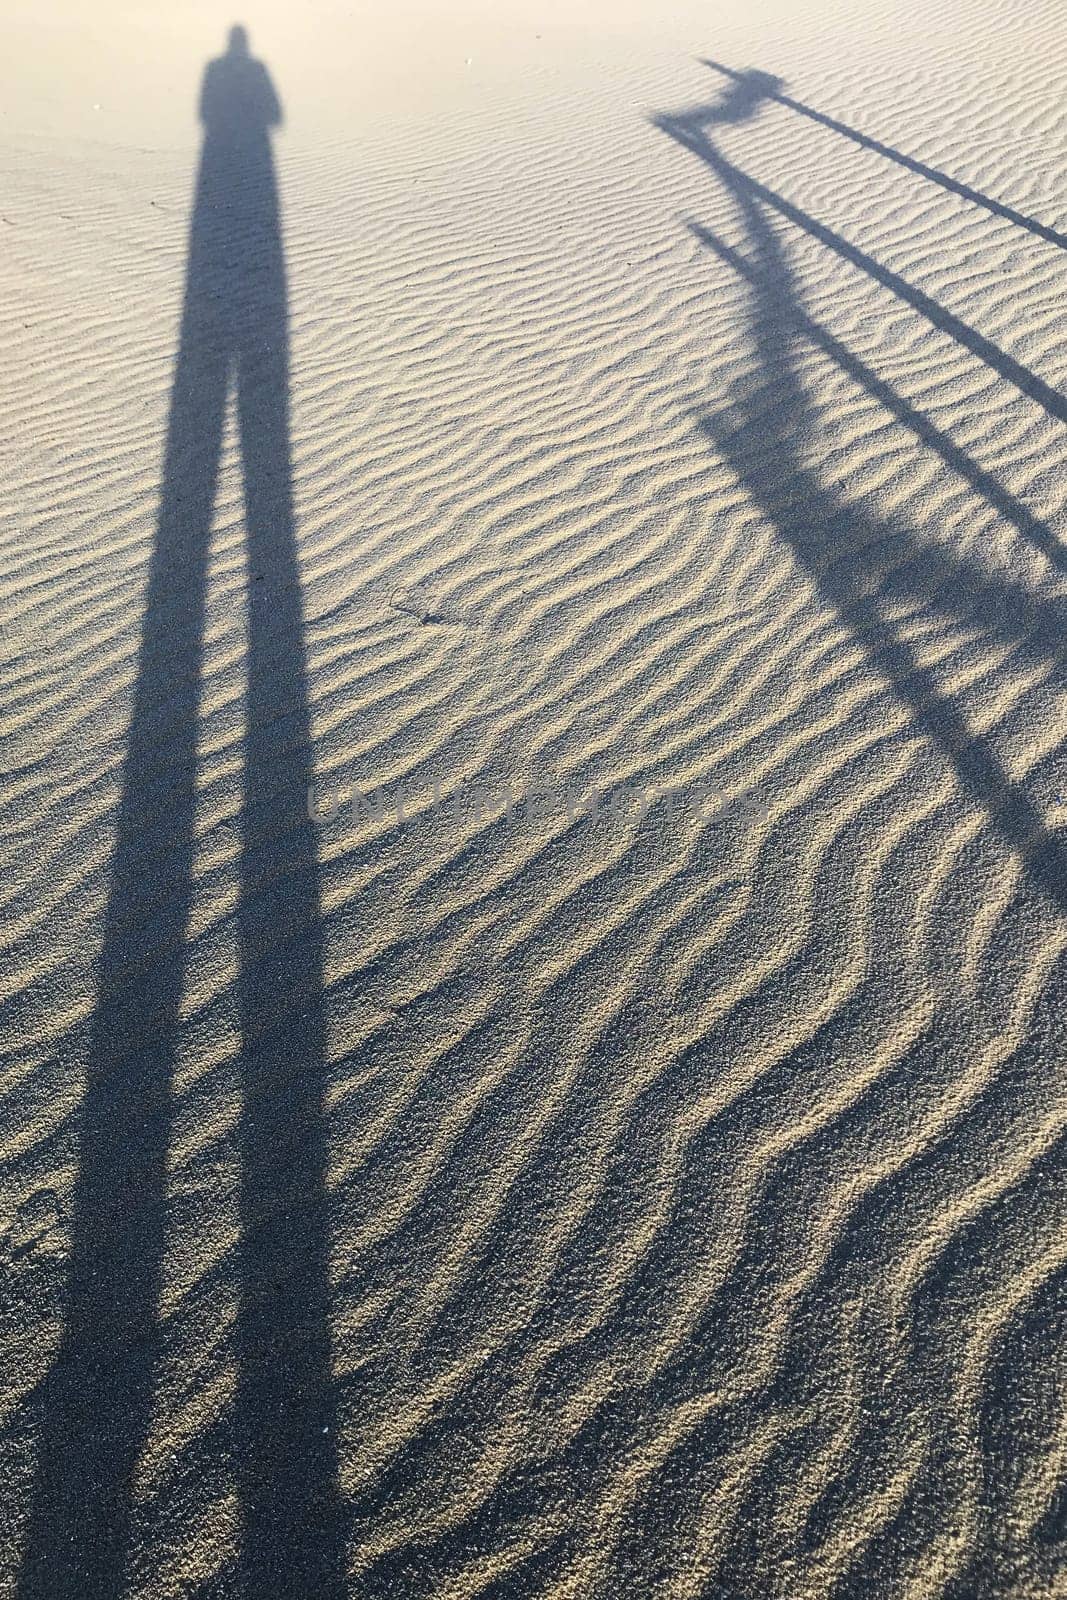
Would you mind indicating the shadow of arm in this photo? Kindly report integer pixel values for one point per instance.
(273, 116)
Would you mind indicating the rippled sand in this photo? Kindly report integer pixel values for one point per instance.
(620, 1199)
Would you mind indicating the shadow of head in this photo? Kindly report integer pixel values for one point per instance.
(238, 101)
(742, 98)
(746, 94)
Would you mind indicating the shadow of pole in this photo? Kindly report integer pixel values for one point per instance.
(984, 483)
(688, 132)
(97, 1399)
(997, 208)
(858, 563)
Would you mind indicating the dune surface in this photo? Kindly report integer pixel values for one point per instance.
(533, 568)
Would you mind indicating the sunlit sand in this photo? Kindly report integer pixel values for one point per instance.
(532, 585)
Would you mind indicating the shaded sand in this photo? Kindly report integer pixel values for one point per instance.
(661, 1196)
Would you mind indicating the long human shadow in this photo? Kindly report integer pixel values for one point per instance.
(772, 88)
(97, 1398)
(857, 563)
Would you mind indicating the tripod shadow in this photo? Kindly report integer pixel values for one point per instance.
(858, 564)
(98, 1396)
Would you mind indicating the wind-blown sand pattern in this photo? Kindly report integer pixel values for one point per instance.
(667, 1201)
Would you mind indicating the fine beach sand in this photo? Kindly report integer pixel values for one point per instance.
(665, 1201)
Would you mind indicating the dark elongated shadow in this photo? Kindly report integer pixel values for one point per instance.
(772, 90)
(988, 486)
(98, 1396)
(688, 130)
(857, 563)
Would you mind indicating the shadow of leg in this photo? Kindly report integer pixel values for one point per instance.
(286, 1417)
(97, 1398)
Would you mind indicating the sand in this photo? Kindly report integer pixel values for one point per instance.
(534, 871)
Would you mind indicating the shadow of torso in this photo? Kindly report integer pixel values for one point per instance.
(236, 270)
